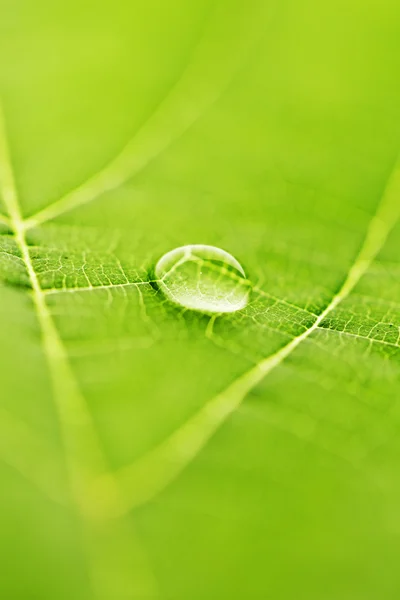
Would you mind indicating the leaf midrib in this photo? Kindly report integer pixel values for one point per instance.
(84, 457)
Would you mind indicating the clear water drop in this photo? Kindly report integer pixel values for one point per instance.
(203, 278)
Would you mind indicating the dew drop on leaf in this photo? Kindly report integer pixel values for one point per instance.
(203, 278)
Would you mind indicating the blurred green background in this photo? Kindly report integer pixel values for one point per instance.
(266, 128)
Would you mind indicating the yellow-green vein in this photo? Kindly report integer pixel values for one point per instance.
(187, 101)
(149, 475)
(84, 457)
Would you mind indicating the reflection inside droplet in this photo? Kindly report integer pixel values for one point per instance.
(203, 278)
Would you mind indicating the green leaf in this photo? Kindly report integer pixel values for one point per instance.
(152, 452)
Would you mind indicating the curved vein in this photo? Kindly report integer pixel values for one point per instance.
(149, 475)
(199, 87)
(73, 413)
(84, 457)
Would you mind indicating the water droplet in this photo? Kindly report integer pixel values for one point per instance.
(203, 278)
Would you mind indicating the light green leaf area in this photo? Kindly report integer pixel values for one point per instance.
(152, 452)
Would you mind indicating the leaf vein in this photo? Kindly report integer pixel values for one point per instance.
(84, 457)
(151, 474)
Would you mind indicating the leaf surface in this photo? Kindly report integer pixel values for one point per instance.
(152, 452)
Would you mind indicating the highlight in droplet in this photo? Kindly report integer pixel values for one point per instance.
(203, 278)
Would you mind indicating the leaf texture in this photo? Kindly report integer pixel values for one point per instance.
(150, 452)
